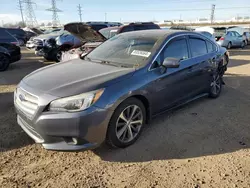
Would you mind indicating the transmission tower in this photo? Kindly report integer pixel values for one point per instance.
(30, 16)
(54, 10)
(80, 11)
(212, 13)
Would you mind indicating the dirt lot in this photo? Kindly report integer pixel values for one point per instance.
(204, 144)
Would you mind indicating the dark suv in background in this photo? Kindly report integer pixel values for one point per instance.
(9, 51)
(112, 31)
(20, 34)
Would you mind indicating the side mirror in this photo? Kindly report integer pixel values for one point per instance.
(171, 62)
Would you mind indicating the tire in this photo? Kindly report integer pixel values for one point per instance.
(121, 127)
(21, 42)
(48, 57)
(243, 43)
(58, 56)
(4, 62)
(215, 86)
(229, 45)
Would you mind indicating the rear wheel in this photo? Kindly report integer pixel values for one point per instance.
(4, 62)
(215, 85)
(243, 43)
(126, 123)
(229, 46)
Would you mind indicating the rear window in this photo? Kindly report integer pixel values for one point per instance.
(198, 47)
(97, 27)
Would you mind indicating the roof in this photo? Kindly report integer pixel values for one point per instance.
(156, 33)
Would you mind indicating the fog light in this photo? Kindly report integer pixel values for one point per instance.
(75, 141)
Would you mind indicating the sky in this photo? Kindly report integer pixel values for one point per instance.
(128, 10)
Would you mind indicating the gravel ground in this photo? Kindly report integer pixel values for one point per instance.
(204, 144)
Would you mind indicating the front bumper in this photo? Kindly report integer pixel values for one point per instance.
(66, 131)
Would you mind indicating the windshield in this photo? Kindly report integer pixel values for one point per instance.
(131, 50)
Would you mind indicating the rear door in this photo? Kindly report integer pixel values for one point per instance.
(201, 63)
(238, 38)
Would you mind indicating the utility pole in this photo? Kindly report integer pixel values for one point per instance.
(212, 13)
(80, 12)
(54, 10)
(20, 7)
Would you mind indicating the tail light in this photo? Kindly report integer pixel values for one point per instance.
(222, 38)
(15, 43)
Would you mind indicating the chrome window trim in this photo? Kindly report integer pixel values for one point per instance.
(186, 34)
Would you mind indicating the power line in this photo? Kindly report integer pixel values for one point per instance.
(20, 7)
(54, 10)
(80, 12)
(30, 16)
(171, 10)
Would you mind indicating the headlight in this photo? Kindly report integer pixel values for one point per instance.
(76, 103)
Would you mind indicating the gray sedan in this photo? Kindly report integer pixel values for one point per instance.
(231, 39)
(117, 88)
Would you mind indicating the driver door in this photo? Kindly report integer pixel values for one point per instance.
(173, 86)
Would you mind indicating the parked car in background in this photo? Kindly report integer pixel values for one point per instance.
(52, 48)
(19, 34)
(6, 37)
(117, 88)
(240, 30)
(231, 39)
(112, 31)
(9, 53)
(207, 34)
(39, 40)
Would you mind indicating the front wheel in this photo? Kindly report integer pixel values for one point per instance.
(215, 86)
(126, 123)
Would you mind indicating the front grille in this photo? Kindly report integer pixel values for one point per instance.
(26, 102)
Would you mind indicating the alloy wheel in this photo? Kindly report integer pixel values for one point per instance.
(229, 45)
(216, 84)
(129, 123)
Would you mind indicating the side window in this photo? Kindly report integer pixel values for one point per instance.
(140, 27)
(176, 49)
(236, 34)
(210, 47)
(229, 34)
(198, 47)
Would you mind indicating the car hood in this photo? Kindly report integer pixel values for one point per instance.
(75, 77)
(84, 32)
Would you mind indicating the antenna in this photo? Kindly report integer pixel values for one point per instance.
(212, 13)
(54, 10)
(29, 13)
(80, 11)
(20, 7)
